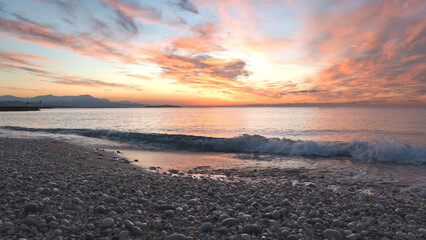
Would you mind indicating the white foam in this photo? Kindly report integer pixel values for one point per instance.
(384, 150)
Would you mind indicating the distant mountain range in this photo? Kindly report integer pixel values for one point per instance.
(82, 101)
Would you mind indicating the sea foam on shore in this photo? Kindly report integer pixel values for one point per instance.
(384, 150)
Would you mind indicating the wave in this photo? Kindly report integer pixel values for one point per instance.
(385, 150)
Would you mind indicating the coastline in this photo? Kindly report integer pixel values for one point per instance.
(58, 190)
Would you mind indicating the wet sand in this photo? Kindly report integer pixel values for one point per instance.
(56, 190)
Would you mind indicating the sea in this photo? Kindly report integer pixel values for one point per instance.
(390, 138)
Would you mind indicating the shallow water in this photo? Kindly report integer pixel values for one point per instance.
(404, 125)
(396, 135)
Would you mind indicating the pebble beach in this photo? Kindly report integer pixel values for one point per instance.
(56, 190)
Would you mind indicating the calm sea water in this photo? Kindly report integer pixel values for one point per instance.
(369, 134)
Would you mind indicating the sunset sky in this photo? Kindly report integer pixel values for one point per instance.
(222, 52)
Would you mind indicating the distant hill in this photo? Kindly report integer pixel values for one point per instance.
(82, 101)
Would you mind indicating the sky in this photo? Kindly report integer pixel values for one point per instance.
(222, 52)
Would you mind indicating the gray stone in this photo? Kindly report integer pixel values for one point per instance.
(206, 227)
(164, 207)
(352, 236)
(89, 236)
(75, 200)
(292, 237)
(112, 199)
(124, 234)
(136, 231)
(276, 214)
(128, 224)
(156, 224)
(107, 222)
(169, 213)
(65, 222)
(176, 237)
(337, 223)
(223, 217)
(380, 207)
(245, 236)
(31, 207)
(422, 231)
(228, 222)
(252, 229)
(100, 209)
(332, 234)
(30, 221)
(53, 224)
(400, 235)
(57, 232)
(319, 226)
(45, 191)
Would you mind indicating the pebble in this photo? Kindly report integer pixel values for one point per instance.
(169, 213)
(245, 236)
(57, 232)
(124, 234)
(156, 224)
(337, 223)
(228, 222)
(252, 229)
(332, 234)
(423, 232)
(380, 207)
(112, 200)
(276, 214)
(128, 224)
(164, 207)
(107, 222)
(31, 207)
(352, 236)
(292, 237)
(176, 237)
(45, 191)
(30, 221)
(206, 227)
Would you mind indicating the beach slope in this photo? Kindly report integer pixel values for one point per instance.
(52, 189)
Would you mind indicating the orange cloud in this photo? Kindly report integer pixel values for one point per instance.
(23, 63)
(130, 11)
(377, 52)
(86, 44)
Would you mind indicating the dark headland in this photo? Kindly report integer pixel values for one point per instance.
(82, 101)
(13, 109)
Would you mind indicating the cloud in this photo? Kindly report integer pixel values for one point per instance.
(21, 59)
(20, 89)
(203, 42)
(301, 92)
(187, 6)
(200, 68)
(84, 43)
(138, 76)
(373, 51)
(24, 63)
(128, 11)
(79, 81)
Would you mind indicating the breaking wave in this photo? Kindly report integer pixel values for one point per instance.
(385, 150)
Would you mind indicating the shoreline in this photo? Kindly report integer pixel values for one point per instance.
(58, 190)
